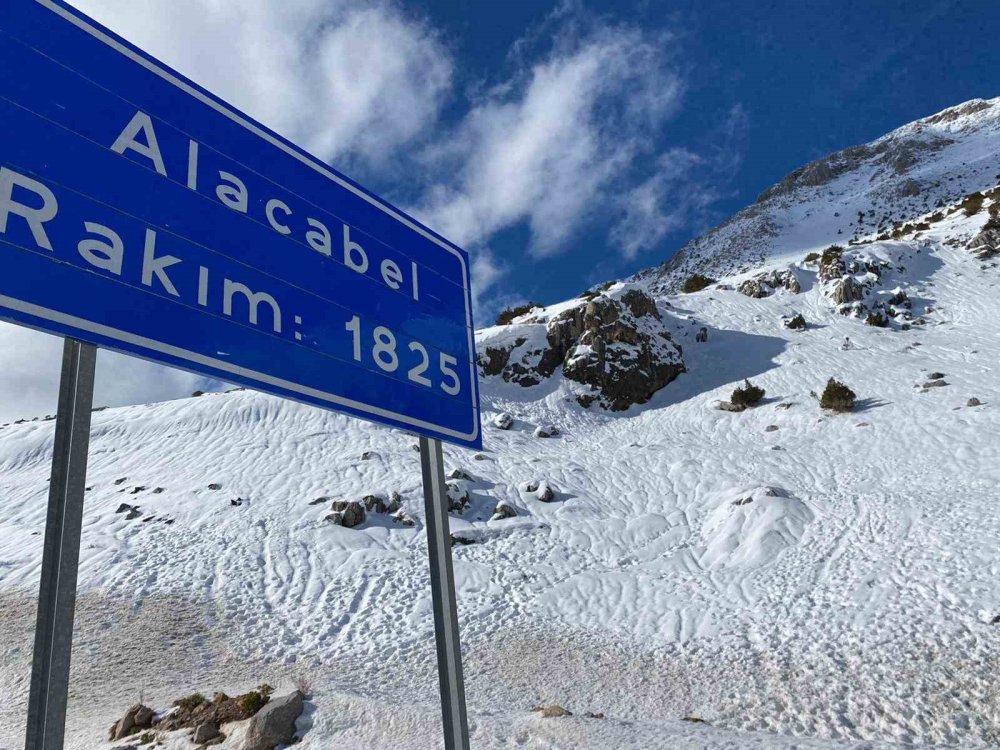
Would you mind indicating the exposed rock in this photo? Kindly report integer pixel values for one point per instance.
(459, 474)
(137, 718)
(796, 323)
(458, 498)
(462, 540)
(730, 406)
(935, 384)
(274, 724)
(375, 504)
(847, 290)
(124, 508)
(352, 513)
(616, 342)
(702, 336)
(368, 455)
(541, 490)
(503, 510)
(974, 402)
(936, 376)
(503, 421)
(546, 431)
(754, 288)
(986, 244)
(404, 519)
(553, 711)
(215, 486)
(205, 732)
(771, 428)
(395, 502)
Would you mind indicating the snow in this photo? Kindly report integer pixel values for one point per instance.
(827, 584)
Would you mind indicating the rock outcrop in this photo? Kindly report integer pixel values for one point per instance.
(616, 343)
(274, 724)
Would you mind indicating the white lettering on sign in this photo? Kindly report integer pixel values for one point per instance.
(384, 354)
(139, 137)
(36, 216)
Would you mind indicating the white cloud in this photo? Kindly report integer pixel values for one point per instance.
(343, 79)
(681, 191)
(29, 376)
(547, 147)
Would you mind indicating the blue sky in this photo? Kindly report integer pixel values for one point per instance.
(561, 143)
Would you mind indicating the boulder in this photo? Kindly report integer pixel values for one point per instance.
(351, 513)
(138, 717)
(503, 421)
(974, 402)
(205, 732)
(546, 432)
(503, 510)
(458, 497)
(274, 724)
(847, 290)
(375, 504)
(395, 502)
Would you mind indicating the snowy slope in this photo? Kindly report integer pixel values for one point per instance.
(852, 194)
(792, 577)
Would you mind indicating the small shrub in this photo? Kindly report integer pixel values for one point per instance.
(252, 702)
(811, 258)
(837, 396)
(876, 319)
(145, 738)
(696, 283)
(972, 204)
(190, 702)
(798, 323)
(746, 395)
(265, 689)
(831, 255)
(508, 315)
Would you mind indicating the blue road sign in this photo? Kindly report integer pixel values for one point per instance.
(141, 213)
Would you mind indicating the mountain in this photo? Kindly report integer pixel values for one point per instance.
(627, 544)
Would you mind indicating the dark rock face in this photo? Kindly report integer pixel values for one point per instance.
(616, 343)
(351, 513)
(205, 732)
(986, 244)
(765, 284)
(137, 718)
(274, 724)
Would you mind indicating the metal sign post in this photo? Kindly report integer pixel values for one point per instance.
(61, 554)
(449, 649)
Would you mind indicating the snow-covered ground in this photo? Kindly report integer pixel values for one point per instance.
(792, 577)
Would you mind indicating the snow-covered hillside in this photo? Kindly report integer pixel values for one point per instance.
(783, 576)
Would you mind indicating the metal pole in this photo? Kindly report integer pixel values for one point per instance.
(449, 650)
(61, 552)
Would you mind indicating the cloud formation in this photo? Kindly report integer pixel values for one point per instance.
(548, 146)
(346, 80)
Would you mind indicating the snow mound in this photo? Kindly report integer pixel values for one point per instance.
(751, 528)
